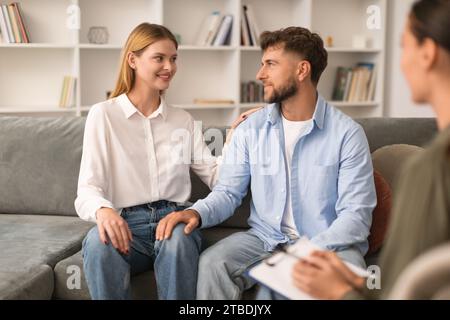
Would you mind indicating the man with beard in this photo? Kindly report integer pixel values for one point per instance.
(308, 166)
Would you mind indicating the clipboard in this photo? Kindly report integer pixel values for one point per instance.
(274, 272)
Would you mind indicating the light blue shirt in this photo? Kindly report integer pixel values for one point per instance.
(332, 186)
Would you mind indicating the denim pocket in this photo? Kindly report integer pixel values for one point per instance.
(124, 213)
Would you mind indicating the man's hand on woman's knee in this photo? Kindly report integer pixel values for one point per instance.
(166, 225)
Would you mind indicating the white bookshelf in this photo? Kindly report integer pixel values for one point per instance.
(32, 74)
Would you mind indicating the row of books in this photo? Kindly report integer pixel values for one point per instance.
(215, 30)
(68, 92)
(12, 26)
(252, 91)
(249, 29)
(355, 84)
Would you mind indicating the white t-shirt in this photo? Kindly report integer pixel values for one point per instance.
(293, 131)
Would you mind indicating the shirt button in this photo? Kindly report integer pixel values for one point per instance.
(282, 190)
(278, 217)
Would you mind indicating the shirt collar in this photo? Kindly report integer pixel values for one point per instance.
(129, 109)
(274, 114)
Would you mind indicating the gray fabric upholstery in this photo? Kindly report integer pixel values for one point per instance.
(39, 164)
(32, 240)
(215, 234)
(385, 131)
(26, 284)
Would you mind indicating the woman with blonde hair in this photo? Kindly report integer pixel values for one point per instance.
(135, 170)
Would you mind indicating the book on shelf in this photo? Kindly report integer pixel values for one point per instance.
(372, 84)
(5, 24)
(245, 40)
(252, 91)
(67, 98)
(223, 35)
(356, 84)
(215, 30)
(22, 28)
(249, 28)
(339, 84)
(12, 26)
(213, 101)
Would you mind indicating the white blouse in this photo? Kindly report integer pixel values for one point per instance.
(129, 159)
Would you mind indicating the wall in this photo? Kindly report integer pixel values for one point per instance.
(398, 101)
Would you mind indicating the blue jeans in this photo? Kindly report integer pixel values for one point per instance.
(221, 274)
(175, 260)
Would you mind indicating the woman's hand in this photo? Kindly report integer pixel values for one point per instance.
(323, 275)
(238, 120)
(354, 280)
(111, 224)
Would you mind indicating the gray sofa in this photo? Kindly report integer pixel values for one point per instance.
(40, 233)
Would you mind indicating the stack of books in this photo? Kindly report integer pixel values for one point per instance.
(215, 30)
(12, 26)
(249, 29)
(68, 92)
(355, 84)
(252, 91)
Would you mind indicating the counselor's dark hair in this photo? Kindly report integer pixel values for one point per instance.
(431, 19)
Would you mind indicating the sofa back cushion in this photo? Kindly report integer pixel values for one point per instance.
(40, 161)
(382, 132)
(389, 160)
(39, 164)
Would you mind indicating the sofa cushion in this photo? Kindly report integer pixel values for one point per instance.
(389, 160)
(70, 282)
(32, 240)
(380, 214)
(25, 284)
(382, 132)
(39, 164)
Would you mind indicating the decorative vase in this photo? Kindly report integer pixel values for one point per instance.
(98, 35)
